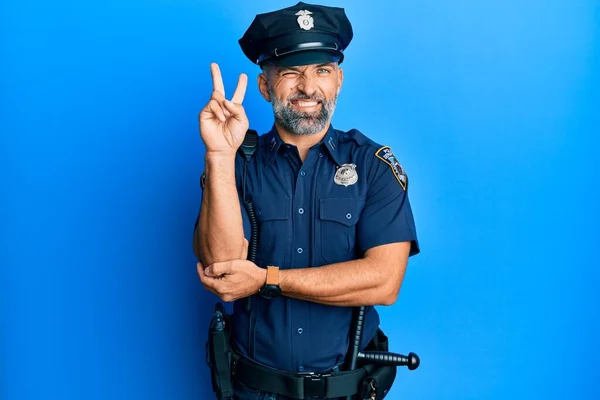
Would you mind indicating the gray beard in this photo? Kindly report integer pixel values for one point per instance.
(301, 123)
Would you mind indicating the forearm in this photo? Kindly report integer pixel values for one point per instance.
(353, 283)
(220, 234)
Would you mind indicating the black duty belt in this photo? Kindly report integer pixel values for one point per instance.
(297, 385)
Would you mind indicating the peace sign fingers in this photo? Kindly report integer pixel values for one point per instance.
(219, 87)
(223, 123)
(240, 90)
(217, 79)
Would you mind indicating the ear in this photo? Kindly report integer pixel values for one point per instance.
(340, 73)
(263, 86)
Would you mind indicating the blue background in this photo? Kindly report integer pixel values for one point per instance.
(492, 107)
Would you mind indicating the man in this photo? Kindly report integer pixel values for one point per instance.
(335, 224)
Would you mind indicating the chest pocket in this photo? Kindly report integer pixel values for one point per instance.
(338, 218)
(272, 215)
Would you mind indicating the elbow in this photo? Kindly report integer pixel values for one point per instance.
(388, 295)
(210, 254)
(389, 289)
(388, 300)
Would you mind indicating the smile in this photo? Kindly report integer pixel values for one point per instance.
(305, 103)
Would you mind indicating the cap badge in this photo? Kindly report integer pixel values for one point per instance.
(305, 21)
(346, 175)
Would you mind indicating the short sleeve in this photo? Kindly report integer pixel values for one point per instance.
(387, 216)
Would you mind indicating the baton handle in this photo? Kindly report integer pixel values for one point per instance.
(385, 358)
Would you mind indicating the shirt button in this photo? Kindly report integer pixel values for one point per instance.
(300, 330)
(348, 216)
(301, 210)
(286, 155)
(300, 250)
(302, 173)
(321, 155)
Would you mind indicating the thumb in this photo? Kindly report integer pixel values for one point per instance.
(209, 271)
(237, 110)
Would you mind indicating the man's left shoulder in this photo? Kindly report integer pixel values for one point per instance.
(374, 153)
(361, 144)
(354, 136)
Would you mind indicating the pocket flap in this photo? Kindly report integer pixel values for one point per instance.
(345, 210)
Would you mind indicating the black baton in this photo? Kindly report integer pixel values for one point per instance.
(375, 357)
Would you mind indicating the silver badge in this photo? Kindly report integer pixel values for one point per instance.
(305, 21)
(346, 175)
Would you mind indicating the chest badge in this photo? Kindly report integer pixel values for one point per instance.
(346, 175)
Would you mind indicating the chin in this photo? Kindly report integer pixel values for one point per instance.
(309, 128)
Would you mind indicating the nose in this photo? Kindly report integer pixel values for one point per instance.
(308, 85)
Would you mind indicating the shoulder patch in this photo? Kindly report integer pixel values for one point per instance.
(386, 155)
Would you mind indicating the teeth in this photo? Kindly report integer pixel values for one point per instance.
(307, 103)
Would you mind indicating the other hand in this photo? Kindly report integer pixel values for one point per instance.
(232, 280)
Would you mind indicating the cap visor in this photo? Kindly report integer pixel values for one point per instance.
(306, 57)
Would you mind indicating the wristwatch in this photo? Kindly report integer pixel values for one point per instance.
(271, 289)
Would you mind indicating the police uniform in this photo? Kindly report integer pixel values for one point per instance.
(347, 196)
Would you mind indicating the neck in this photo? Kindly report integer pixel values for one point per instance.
(302, 142)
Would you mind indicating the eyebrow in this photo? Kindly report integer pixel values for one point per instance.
(281, 69)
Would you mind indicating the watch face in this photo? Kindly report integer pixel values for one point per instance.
(270, 292)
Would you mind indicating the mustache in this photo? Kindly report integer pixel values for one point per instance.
(304, 96)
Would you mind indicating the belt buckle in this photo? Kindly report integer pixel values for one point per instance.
(314, 384)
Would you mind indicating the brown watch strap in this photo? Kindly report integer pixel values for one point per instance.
(273, 276)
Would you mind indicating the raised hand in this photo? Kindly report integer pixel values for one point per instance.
(223, 123)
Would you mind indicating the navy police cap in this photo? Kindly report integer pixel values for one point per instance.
(299, 35)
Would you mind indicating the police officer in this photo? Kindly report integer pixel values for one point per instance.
(335, 223)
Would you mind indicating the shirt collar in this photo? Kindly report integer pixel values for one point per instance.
(273, 143)
(331, 142)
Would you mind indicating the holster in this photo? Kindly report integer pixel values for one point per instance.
(218, 354)
(381, 378)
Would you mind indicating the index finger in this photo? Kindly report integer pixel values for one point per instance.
(240, 90)
(217, 78)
